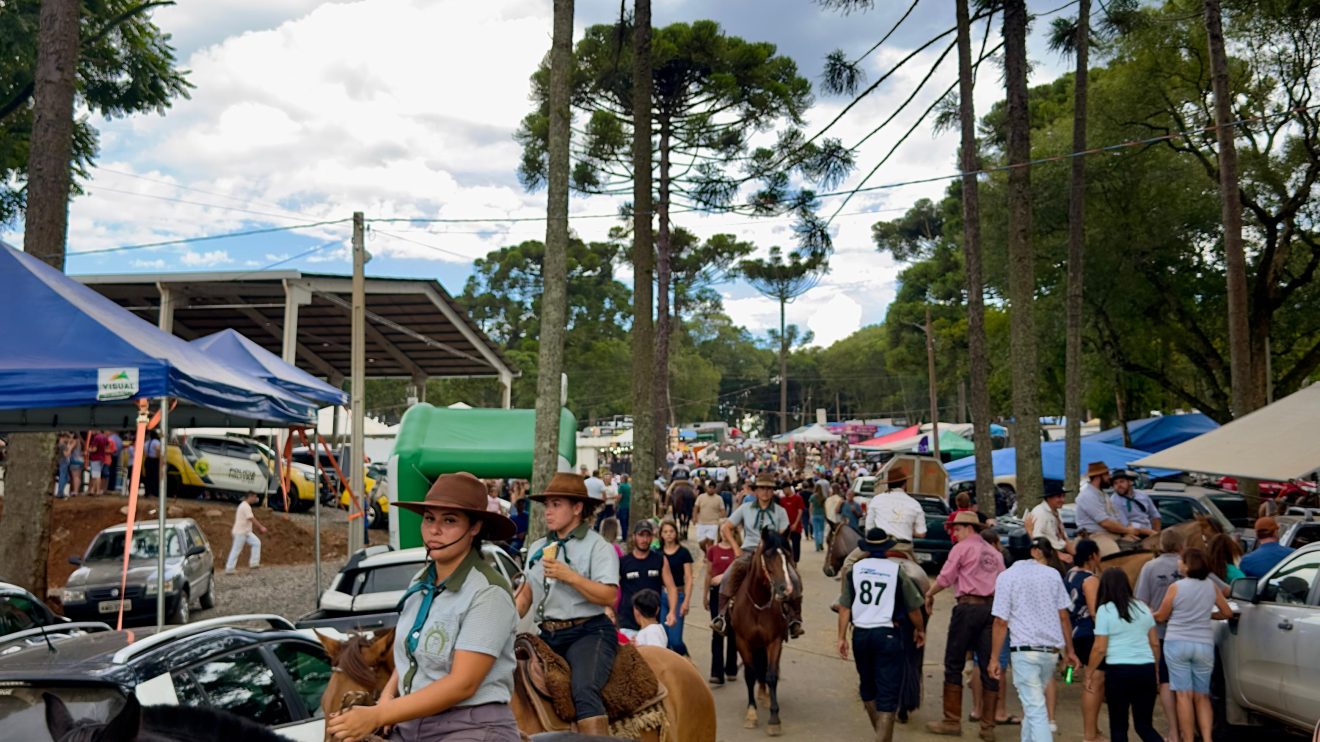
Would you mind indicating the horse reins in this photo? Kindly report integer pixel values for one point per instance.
(788, 581)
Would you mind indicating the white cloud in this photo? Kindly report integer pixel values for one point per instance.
(208, 259)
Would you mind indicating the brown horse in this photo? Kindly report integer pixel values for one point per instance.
(363, 667)
(1193, 533)
(759, 625)
(842, 541)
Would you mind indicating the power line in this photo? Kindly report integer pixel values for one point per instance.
(179, 186)
(203, 238)
(220, 207)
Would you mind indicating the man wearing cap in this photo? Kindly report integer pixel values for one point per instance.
(873, 592)
(643, 568)
(896, 513)
(1044, 521)
(972, 568)
(1135, 506)
(572, 577)
(752, 516)
(1097, 518)
(453, 648)
(1268, 551)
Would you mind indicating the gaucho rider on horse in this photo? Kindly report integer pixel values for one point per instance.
(572, 576)
(763, 512)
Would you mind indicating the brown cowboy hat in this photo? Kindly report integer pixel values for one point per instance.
(967, 518)
(567, 485)
(1097, 469)
(897, 477)
(462, 491)
(765, 480)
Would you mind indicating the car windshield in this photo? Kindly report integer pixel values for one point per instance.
(866, 486)
(110, 545)
(386, 579)
(1217, 514)
(23, 712)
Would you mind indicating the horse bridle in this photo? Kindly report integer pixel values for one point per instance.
(788, 581)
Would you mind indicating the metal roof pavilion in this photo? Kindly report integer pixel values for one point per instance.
(414, 328)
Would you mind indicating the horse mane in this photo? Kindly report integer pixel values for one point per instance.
(350, 661)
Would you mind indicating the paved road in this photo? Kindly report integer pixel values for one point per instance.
(818, 690)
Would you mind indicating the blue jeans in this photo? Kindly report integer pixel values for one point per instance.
(63, 481)
(1031, 673)
(675, 632)
(818, 530)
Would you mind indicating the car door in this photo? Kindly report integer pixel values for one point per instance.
(1271, 639)
(307, 670)
(197, 569)
(241, 682)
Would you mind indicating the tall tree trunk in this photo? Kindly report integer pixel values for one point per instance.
(783, 372)
(1246, 396)
(976, 343)
(1072, 402)
(662, 276)
(646, 456)
(25, 528)
(554, 272)
(1022, 274)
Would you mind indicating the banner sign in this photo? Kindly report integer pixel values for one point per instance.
(116, 383)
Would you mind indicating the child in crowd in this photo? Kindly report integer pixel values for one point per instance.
(646, 610)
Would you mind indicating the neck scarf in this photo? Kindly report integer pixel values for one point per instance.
(430, 591)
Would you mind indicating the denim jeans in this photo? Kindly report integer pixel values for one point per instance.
(818, 530)
(64, 477)
(1031, 673)
(675, 632)
(589, 649)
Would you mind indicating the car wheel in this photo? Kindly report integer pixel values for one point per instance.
(182, 610)
(378, 518)
(208, 597)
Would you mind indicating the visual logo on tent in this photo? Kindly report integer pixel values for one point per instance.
(116, 383)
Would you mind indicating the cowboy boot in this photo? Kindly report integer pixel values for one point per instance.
(884, 727)
(951, 724)
(871, 713)
(989, 699)
(598, 725)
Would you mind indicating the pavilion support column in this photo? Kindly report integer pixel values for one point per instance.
(165, 320)
(294, 297)
(506, 391)
(417, 390)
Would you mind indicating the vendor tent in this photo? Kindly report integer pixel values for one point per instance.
(951, 442)
(1277, 442)
(1154, 434)
(877, 443)
(1004, 461)
(809, 434)
(73, 359)
(236, 351)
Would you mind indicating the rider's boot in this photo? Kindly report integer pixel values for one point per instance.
(871, 713)
(597, 725)
(884, 727)
(989, 698)
(793, 615)
(951, 724)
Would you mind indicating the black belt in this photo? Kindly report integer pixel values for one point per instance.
(1030, 648)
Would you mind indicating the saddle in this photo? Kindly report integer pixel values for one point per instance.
(633, 696)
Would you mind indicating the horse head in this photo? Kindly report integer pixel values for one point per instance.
(771, 562)
(123, 727)
(361, 668)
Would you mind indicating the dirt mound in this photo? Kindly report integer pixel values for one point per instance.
(290, 539)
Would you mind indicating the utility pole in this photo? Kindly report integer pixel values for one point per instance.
(358, 372)
(934, 401)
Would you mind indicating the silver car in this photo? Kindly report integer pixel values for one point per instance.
(93, 590)
(1271, 649)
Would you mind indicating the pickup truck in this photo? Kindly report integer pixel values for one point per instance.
(365, 593)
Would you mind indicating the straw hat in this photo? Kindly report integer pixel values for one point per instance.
(462, 491)
(765, 480)
(967, 518)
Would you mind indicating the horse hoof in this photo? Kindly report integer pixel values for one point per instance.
(749, 721)
(774, 730)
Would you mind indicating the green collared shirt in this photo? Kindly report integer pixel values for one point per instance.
(474, 612)
(587, 554)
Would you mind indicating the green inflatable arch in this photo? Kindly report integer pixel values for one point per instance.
(488, 443)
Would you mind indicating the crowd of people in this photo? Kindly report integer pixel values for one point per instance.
(96, 462)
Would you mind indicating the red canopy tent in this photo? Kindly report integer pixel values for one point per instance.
(895, 436)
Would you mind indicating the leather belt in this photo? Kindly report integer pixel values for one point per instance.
(551, 624)
(976, 599)
(1030, 648)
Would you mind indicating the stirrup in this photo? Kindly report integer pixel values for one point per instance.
(719, 624)
(795, 629)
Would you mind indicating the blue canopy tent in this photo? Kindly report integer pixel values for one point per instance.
(1052, 460)
(236, 351)
(1154, 434)
(74, 359)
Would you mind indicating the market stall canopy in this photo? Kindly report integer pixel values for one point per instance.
(1154, 434)
(876, 444)
(808, 434)
(1004, 461)
(233, 349)
(75, 360)
(371, 427)
(1277, 442)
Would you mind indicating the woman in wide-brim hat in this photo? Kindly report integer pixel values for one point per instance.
(572, 578)
(456, 627)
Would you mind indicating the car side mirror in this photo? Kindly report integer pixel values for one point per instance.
(254, 458)
(196, 551)
(1244, 588)
(75, 561)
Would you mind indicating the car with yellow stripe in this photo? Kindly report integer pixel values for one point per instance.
(229, 467)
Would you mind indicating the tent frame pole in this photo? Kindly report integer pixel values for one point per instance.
(161, 540)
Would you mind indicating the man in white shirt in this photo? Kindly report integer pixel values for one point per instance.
(244, 520)
(1044, 521)
(595, 487)
(896, 513)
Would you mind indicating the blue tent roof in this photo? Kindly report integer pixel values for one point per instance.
(1154, 434)
(1004, 460)
(71, 355)
(235, 350)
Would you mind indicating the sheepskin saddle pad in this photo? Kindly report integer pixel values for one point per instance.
(632, 687)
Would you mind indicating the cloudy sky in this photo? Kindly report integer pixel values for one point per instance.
(308, 110)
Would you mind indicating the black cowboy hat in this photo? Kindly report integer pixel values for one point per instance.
(462, 491)
(876, 541)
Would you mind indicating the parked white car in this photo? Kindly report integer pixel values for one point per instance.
(1271, 648)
